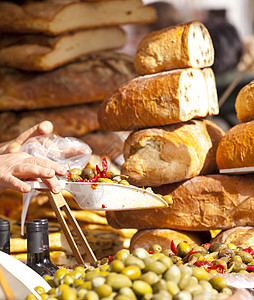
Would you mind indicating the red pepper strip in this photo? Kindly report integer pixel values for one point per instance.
(219, 268)
(105, 167)
(190, 253)
(151, 251)
(69, 175)
(98, 170)
(94, 179)
(110, 258)
(173, 247)
(250, 268)
(249, 250)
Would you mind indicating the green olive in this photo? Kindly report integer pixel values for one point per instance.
(217, 247)
(132, 260)
(204, 295)
(122, 254)
(117, 266)
(117, 281)
(183, 249)
(184, 281)
(237, 266)
(173, 274)
(218, 283)
(104, 290)
(156, 248)
(150, 277)
(97, 281)
(206, 285)
(183, 295)
(60, 273)
(162, 295)
(40, 290)
(87, 173)
(67, 279)
(156, 267)
(172, 287)
(52, 291)
(200, 273)
(141, 287)
(91, 295)
(31, 297)
(160, 285)
(77, 282)
(86, 285)
(133, 272)
(194, 288)
(167, 261)
(128, 292)
(140, 253)
(124, 182)
(246, 257)
(69, 294)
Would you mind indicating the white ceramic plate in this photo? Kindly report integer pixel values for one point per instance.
(22, 279)
(108, 196)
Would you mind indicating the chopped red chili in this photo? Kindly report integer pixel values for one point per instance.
(103, 206)
(173, 247)
(151, 251)
(105, 167)
(111, 258)
(190, 253)
(219, 268)
(207, 244)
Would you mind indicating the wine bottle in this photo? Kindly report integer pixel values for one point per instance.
(46, 255)
(5, 236)
(35, 248)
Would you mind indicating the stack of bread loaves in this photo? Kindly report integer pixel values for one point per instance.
(179, 157)
(58, 60)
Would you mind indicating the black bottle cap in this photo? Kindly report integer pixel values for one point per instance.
(4, 225)
(33, 227)
(44, 223)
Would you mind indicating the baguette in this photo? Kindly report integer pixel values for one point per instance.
(163, 237)
(171, 153)
(43, 53)
(180, 46)
(56, 17)
(236, 149)
(68, 121)
(158, 99)
(202, 203)
(244, 103)
(87, 80)
(239, 236)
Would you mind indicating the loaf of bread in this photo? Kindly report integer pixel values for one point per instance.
(56, 17)
(236, 149)
(42, 53)
(244, 103)
(159, 99)
(172, 153)
(68, 121)
(87, 80)
(163, 237)
(202, 203)
(180, 46)
(239, 236)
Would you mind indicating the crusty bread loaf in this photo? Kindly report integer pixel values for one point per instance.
(58, 16)
(163, 237)
(158, 99)
(172, 153)
(200, 204)
(212, 91)
(239, 236)
(236, 149)
(87, 80)
(42, 53)
(244, 104)
(68, 121)
(180, 46)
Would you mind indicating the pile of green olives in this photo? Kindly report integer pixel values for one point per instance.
(145, 275)
(215, 258)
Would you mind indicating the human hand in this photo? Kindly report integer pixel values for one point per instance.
(14, 167)
(13, 146)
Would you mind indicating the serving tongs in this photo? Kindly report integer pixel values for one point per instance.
(95, 196)
(237, 171)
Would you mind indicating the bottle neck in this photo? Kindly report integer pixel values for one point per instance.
(34, 242)
(5, 241)
(34, 259)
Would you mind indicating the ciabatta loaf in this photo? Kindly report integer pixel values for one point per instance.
(202, 203)
(68, 121)
(236, 149)
(172, 153)
(239, 236)
(43, 53)
(87, 80)
(58, 16)
(163, 237)
(244, 103)
(181, 46)
(159, 99)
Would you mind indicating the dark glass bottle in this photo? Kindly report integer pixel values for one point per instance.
(35, 248)
(5, 236)
(46, 255)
